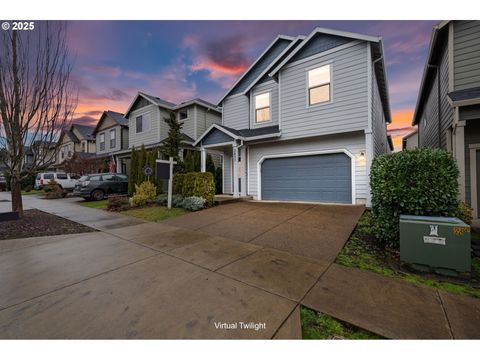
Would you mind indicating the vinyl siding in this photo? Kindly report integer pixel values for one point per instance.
(162, 115)
(108, 149)
(205, 118)
(188, 127)
(319, 43)
(235, 112)
(348, 108)
(379, 127)
(150, 136)
(272, 88)
(353, 142)
(428, 135)
(466, 46)
(470, 112)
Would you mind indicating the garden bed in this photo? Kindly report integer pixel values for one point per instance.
(318, 326)
(154, 212)
(38, 223)
(363, 251)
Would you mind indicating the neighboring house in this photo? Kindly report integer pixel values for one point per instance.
(76, 139)
(304, 122)
(448, 105)
(410, 141)
(146, 123)
(111, 136)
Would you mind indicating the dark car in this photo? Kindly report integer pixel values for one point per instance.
(98, 186)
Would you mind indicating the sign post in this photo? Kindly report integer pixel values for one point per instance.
(165, 172)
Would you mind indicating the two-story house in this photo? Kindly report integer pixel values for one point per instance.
(111, 136)
(76, 139)
(146, 123)
(448, 105)
(305, 120)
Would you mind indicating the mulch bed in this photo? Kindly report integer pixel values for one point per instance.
(38, 223)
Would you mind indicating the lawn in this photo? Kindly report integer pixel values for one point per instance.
(33, 192)
(102, 204)
(316, 325)
(154, 213)
(363, 252)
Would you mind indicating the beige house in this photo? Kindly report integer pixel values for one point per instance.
(77, 139)
(410, 141)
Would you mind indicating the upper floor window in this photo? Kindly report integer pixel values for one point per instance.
(83, 146)
(141, 124)
(101, 138)
(183, 114)
(262, 107)
(113, 138)
(319, 85)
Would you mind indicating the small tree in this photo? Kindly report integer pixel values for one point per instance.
(172, 144)
(142, 158)
(133, 172)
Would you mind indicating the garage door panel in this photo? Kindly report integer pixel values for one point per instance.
(325, 178)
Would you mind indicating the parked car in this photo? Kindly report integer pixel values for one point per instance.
(64, 180)
(3, 183)
(98, 186)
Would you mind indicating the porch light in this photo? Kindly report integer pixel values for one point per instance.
(362, 156)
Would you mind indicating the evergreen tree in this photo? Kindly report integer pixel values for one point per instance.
(141, 163)
(133, 172)
(171, 145)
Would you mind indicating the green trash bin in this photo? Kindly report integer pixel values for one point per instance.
(435, 243)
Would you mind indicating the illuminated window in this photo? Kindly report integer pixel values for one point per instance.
(262, 108)
(319, 85)
(113, 138)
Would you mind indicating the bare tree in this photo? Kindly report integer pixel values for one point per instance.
(36, 98)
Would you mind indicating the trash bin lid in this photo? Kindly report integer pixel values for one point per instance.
(433, 219)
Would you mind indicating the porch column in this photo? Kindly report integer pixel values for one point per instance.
(203, 159)
(243, 170)
(235, 170)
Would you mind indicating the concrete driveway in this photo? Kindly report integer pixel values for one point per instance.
(234, 271)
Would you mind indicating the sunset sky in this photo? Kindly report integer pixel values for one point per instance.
(181, 60)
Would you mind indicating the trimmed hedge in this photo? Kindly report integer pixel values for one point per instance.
(416, 182)
(195, 184)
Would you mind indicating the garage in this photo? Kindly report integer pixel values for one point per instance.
(316, 178)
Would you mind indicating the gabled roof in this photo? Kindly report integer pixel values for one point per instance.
(318, 30)
(71, 135)
(438, 37)
(86, 131)
(199, 102)
(153, 99)
(277, 39)
(242, 134)
(117, 117)
(296, 42)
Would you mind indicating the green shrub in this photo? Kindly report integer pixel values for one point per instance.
(145, 193)
(162, 199)
(178, 180)
(118, 203)
(465, 213)
(416, 182)
(53, 191)
(195, 184)
(193, 203)
(177, 200)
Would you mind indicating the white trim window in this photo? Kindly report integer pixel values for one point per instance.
(262, 108)
(319, 89)
(142, 124)
(113, 138)
(182, 115)
(101, 138)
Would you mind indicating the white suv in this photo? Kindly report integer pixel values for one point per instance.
(65, 181)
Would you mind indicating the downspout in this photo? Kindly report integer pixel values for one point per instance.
(437, 68)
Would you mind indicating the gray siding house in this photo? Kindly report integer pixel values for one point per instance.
(448, 105)
(304, 122)
(146, 124)
(410, 141)
(76, 139)
(111, 136)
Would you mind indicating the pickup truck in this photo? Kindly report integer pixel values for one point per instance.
(64, 180)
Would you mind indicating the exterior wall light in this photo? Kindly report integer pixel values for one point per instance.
(362, 156)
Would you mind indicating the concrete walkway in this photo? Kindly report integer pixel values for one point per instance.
(191, 278)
